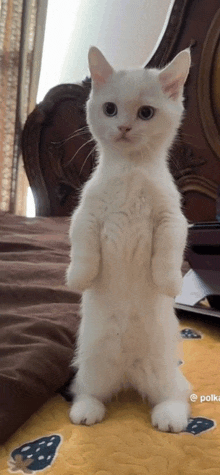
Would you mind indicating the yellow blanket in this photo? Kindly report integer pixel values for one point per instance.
(125, 443)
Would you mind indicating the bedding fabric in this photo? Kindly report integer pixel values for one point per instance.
(125, 443)
(39, 317)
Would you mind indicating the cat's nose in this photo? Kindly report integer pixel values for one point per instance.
(124, 128)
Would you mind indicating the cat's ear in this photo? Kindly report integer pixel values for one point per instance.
(100, 69)
(173, 77)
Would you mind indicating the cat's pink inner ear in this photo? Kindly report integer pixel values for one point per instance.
(100, 69)
(172, 86)
(173, 77)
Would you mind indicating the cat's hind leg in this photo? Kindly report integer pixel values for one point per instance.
(171, 409)
(95, 382)
(97, 358)
(168, 392)
(155, 372)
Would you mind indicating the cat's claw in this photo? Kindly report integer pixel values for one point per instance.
(87, 410)
(170, 416)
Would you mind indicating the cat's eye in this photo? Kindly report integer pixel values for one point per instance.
(110, 109)
(146, 112)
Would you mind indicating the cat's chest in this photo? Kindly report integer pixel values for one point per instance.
(127, 215)
(127, 202)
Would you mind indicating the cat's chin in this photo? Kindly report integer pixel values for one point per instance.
(126, 143)
(124, 140)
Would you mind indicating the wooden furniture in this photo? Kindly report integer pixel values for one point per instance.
(58, 159)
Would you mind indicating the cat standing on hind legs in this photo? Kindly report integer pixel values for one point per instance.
(128, 236)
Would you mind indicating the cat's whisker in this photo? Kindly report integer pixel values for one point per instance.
(175, 163)
(72, 158)
(141, 153)
(77, 135)
(90, 153)
(78, 132)
(188, 142)
(81, 130)
(188, 135)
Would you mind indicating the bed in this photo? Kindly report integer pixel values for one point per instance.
(40, 316)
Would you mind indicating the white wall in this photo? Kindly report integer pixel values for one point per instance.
(126, 31)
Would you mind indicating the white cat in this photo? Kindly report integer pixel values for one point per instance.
(128, 236)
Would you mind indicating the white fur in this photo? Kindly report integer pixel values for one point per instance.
(128, 236)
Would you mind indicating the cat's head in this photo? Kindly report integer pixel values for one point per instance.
(135, 109)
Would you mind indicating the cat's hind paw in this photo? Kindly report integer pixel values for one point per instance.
(87, 410)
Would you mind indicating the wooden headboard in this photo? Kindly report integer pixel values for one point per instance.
(59, 158)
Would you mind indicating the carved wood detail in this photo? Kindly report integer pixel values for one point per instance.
(198, 183)
(210, 126)
(194, 158)
(50, 140)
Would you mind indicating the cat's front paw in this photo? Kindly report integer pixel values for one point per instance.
(87, 410)
(79, 276)
(170, 285)
(168, 281)
(170, 416)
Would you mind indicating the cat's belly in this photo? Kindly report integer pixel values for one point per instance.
(126, 248)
